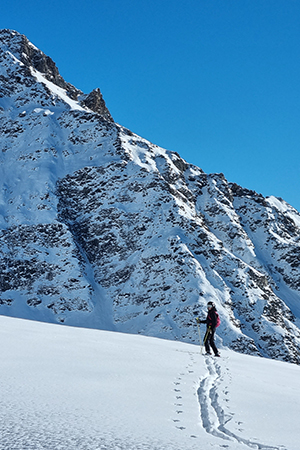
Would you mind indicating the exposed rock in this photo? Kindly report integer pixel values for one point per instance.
(95, 102)
(33, 58)
(101, 228)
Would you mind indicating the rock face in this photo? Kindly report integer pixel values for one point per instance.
(17, 49)
(101, 228)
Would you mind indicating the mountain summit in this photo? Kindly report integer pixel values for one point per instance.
(100, 228)
(16, 49)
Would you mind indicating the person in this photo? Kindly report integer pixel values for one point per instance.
(212, 321)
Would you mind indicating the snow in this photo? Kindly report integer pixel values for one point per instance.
(179, 237)
(285, 208)
(57, 91)
(74, 388)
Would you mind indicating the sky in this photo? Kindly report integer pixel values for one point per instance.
(215, 80)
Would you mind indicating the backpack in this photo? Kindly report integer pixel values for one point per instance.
(218, 319)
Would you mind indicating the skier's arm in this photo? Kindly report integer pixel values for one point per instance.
(200, 321)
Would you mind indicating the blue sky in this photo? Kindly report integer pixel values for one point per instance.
(215, 80)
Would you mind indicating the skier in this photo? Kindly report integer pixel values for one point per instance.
(212, 322)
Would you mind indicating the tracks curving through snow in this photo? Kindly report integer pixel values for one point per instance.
(214, 418)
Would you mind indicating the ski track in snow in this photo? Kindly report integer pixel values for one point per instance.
(214, 415)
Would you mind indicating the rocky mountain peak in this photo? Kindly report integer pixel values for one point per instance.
(101, 228)
(32, 58)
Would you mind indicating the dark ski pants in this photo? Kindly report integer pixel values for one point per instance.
(209, 341)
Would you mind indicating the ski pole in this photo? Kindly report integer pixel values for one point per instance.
(201, 346)
(205, 338)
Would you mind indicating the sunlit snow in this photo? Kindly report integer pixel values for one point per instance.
(72, 388)
(56, 90)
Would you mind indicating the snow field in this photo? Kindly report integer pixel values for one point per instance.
(73, 388)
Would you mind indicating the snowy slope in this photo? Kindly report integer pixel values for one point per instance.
(73, 389)
(100, 228)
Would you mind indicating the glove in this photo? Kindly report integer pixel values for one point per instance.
(198, 320)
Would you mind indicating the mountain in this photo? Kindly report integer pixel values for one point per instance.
(100, 228)
(77, 389)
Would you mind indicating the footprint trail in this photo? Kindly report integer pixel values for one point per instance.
(213, 413)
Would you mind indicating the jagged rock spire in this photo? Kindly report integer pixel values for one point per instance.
(95, 102)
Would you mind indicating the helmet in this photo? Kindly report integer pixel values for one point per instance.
(211, 304)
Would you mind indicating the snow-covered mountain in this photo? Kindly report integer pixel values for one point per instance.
(76, 389)
(100, 228)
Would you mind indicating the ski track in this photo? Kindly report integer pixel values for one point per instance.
(213, 415)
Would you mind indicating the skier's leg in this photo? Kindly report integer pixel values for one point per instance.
(212, 342)
(206, 341)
